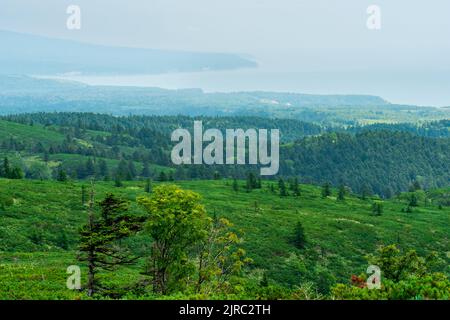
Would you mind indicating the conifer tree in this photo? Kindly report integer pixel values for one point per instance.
(377, 209)
(299, 236)
(62, 175)
(131, 171)
(341, 193)
(413, 201)
(251, 182)
(148, 186)
(326, 190)
(294, 186)
(282, 188)
(258, 183)
(365, 192)
(99, 238)
(84, 195)
(235, 185)
(6, 168)
(162, 176)
(90, 168)
(146, 170)
(103, 168)
(117, 182)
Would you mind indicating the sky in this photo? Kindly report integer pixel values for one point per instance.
(282, 35)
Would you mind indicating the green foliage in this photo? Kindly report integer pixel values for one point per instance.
(118, 182)
(5, 201)
(148, 186)
(100, 237)
(252, 182)
(326, 190)
(9, 172)
(282, 188)
(62, 176)
(413, 201)
(377, 208)
(405, 276)
(299, 236)
(342, 192)
(374, 160)
(391, 158)
(235, 185)
(220, 258)
(176, 223)
(42, 209)
(294, 187)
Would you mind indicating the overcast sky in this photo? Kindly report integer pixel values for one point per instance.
(265, 29)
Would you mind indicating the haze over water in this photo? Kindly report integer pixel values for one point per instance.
(409, 88)
(320, 46)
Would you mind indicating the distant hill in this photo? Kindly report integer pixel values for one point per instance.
(23, 94)
(31, 54)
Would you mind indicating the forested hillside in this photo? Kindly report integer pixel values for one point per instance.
(433, 129)
(384, 161)
(380, 162)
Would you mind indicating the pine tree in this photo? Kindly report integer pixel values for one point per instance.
(299, 236)
(122, 172)
(264, 281)
(62, 175)
(282, 188)
(377, 208)
(148, 186)
(146, 170)
(100, 238)
(16, 173)
(162, 176)
(258, 183)
(365, 192)
(117, 182)
(90, 168)
(413, 201)
(256, 206)
(84, 195)
(342, 192)
(251, 182)
(131, 170)
(62, 241)
(415, 186)
(103, 168)
(326, 190)
(6, 168)
(46, 157)
(294, 186)
(235, 185)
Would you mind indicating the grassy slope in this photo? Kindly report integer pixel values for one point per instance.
(339, 233)
(25, 133)
(36, 133)
(76, 159)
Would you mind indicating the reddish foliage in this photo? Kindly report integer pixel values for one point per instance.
(359, 282)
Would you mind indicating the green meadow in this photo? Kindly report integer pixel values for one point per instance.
(40, 220)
